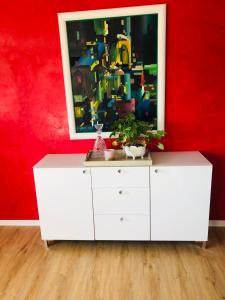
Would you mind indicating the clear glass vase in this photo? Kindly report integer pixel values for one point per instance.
(99, 145)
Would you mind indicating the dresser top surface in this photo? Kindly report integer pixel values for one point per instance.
(61, 161)
(189, 158)
(184, 158)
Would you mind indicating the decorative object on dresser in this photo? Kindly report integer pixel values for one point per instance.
(113, 62)
(168, 201)
(109, 154)
(134, 135)
(99, 144)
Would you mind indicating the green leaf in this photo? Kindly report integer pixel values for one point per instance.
(160, 146)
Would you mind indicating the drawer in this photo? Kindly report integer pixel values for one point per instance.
(121, 201)
(122, 227)
(120, 177)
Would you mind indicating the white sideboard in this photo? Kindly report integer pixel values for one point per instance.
(168, 201)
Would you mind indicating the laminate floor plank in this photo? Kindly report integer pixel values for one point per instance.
(109, 270)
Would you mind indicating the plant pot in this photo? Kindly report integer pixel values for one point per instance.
(135, 151)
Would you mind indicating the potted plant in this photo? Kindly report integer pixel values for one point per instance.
(135, 134)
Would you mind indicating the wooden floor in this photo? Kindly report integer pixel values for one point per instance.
(109, 270)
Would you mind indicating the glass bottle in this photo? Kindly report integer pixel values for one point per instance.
(99, 145)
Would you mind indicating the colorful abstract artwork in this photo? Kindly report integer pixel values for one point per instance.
(113, 69)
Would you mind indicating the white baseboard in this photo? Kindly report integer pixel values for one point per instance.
(19, 223)
(217, 223)
(212, 223)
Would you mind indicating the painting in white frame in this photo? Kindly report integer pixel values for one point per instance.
(113, 62)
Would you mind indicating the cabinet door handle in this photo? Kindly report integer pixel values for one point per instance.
(84, 171)
(156, 171)
(121, 219)
(119, 171)
(120, 192)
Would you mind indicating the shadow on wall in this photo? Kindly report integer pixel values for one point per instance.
(217, 199)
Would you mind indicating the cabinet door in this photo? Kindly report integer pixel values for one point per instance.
(65, 203)
(180, 198)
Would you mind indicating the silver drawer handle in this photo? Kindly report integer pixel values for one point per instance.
(119, 171)
(121, 219)
(120, 192)
(156, 171)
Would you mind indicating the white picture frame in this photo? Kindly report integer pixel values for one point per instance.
(63, 18)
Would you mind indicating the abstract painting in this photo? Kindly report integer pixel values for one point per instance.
(112, 66)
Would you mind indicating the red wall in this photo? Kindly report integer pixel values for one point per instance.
(33, 119)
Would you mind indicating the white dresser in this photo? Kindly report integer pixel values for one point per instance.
(168, 201)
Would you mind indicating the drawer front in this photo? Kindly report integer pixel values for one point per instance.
(120, 177)
(122, 227)
(121, 201)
